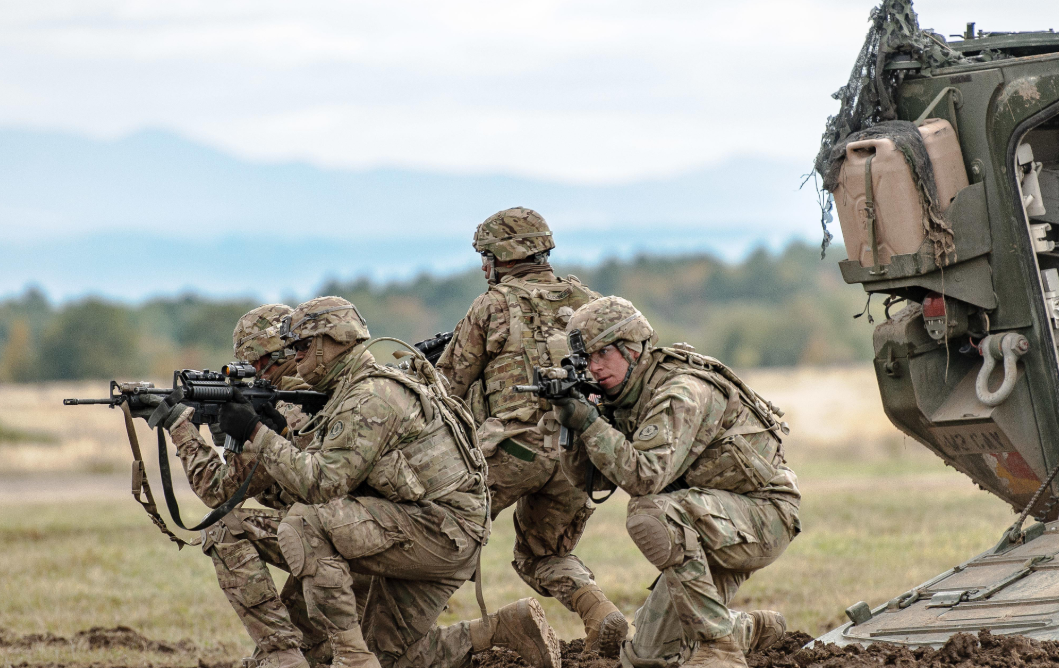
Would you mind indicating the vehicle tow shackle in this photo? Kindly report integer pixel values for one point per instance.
(995, 347)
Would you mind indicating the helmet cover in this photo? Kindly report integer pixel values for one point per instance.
(256, 334)
(608, 320)
(333, 316)
(513, 234)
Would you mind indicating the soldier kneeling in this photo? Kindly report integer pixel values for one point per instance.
(393, 487)
(699, 453)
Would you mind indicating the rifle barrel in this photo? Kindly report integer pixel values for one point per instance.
(80, 402)
(528, 388)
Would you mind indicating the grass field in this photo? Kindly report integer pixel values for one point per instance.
(880, 516)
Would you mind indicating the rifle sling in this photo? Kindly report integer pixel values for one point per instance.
(140, 484)
(214, 515)
(590, 480)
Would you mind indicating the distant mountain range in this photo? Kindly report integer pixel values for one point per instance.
(156, 213)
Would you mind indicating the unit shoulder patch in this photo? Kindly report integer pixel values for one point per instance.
(336, 430)
(647, 432)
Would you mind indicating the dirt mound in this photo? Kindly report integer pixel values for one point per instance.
(98, 637)
(15, 641)
(963, 650)
(118, 637)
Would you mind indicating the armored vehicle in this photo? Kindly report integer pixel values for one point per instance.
(943, 166)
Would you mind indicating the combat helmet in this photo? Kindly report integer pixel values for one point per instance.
(610, 320)
(332, 316)
(256, 334)
(513, 234)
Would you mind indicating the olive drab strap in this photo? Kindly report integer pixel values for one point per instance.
(141, 486)
(215, 514)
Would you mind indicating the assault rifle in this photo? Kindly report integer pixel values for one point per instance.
(570, 380)
(205, 391)
(551, 384)
(433, 347)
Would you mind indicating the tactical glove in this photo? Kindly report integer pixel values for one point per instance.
(168, 410)
(142, 405)
(575, 413)
(273, 419)
(238, 417)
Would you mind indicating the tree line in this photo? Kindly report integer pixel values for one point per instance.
(781, 309)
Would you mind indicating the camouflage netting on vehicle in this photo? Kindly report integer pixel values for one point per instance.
(907, 138)
(868, 97)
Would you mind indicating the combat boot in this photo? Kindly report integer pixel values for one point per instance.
(724, 652)
(320, 654)
(350, 651)
(758, 629)
(605, 625)
(521, 627)
(284, 658)
(254, 660)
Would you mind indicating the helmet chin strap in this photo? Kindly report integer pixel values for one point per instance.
(275, 358)
(320, 369)
(620, 346)
(490, 259)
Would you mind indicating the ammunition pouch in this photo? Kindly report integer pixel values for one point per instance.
(731, 463)
(746, 453)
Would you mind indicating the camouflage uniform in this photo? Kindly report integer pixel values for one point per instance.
(393, 487)
(244, 541)
(519, 323)
(699, 453)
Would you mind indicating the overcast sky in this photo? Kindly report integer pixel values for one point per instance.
(587, 91)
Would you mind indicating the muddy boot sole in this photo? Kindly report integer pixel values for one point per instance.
(535, 625)
(612, 633)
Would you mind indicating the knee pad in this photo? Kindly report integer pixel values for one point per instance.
(302, 540)
(656, 539)
(292, 544)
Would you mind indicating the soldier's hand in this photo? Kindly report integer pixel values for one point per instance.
(575, 413)
(168, 409)
(142, 405)
(238, 417)
(273, 419)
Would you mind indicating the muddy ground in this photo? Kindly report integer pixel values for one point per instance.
(963, 650)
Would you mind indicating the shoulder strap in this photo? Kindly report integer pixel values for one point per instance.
(140, 484)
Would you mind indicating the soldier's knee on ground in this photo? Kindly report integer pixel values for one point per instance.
(302, 540)
(660, 539)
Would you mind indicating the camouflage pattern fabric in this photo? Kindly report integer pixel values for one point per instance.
(215, 480)
(705, 542)
(550, 516)
(333, 316)
(496, 344)
(513, 234)
(417, 554)
(376, 429)
(608, 320)
(256, 334)
(240, 547)
(550, 513)
(245, 541)
(404, 438)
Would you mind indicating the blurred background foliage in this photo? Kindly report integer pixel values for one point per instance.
(783, 309)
